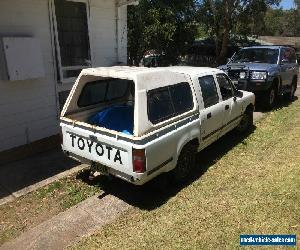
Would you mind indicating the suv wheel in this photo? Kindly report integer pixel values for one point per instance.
(290, 96)
(185, 163)
(270, 98)
(246, 123)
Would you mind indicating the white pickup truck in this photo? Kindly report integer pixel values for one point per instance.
(136, 123)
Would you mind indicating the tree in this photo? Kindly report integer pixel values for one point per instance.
(297, 17)
(225, 17)
(279, 22)
(166, 26)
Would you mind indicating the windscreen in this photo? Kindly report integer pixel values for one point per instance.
(256, 55)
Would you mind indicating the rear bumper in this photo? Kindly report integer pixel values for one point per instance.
(134, 178)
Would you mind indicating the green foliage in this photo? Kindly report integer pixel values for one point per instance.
(223, 18)
(162, 25)
(170, 27)
(279, 22)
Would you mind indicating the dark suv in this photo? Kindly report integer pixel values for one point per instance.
(267, 71)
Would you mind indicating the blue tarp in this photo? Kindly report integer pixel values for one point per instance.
(118, 117)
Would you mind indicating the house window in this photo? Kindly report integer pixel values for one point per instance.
(70, 23)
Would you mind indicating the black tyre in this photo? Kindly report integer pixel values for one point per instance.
(270, 98)
(291, 95)
(185, 164)
(246, 123)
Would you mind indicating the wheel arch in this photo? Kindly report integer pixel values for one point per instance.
(250, 107)
(194, 141)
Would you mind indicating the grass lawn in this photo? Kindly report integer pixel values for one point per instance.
(36, 207)
(247, 186)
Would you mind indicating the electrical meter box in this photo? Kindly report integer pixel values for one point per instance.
(20, 59)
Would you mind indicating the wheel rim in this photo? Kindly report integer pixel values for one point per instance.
(272, 96)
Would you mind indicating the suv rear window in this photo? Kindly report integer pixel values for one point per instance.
(289, 55)
(103, 91)
(167, 102)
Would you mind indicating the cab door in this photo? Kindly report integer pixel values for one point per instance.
(211, 116)
(232, 106)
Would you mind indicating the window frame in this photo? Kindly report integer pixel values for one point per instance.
(233, 89)
(218, 94)
(292, 55)
(105, 95)
(56, 46)
(174, 115)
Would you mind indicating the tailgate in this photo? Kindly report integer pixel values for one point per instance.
(109, 151)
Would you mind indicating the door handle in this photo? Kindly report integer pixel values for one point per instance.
(226, 107)
(208, 115)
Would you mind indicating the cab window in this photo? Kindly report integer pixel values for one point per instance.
(167, 102)
(225, 86)
(209, 90)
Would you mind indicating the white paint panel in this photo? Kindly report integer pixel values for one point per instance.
(23, 103)
(28, 108)
(18, 50)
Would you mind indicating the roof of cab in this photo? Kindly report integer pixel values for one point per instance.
(145, 78)
(121, 71)
(133, 72)
(194, 71)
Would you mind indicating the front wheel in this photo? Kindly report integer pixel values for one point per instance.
(270, 98)
(246, 123)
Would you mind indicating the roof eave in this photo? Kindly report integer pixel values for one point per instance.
(121, 3)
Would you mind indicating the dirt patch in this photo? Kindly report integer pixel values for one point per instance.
(34, 208)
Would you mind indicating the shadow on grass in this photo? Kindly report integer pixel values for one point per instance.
(280, 104)
(160, 190)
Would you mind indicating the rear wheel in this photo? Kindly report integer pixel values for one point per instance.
(290, 95)
(185, 164)
(270, 98)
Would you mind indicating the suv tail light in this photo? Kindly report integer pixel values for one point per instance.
(139, 160)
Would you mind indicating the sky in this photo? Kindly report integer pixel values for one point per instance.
(287, 4)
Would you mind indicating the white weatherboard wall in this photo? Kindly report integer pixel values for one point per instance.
(29, 109)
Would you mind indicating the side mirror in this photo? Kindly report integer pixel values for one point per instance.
(239, 94)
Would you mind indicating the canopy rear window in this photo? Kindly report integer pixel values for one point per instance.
(103, 91)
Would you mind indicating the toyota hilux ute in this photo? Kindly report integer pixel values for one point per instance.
(267, 71)
(136, 123)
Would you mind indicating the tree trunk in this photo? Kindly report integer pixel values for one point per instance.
(221, 57)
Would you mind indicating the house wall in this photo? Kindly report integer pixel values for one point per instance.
(29, 109)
